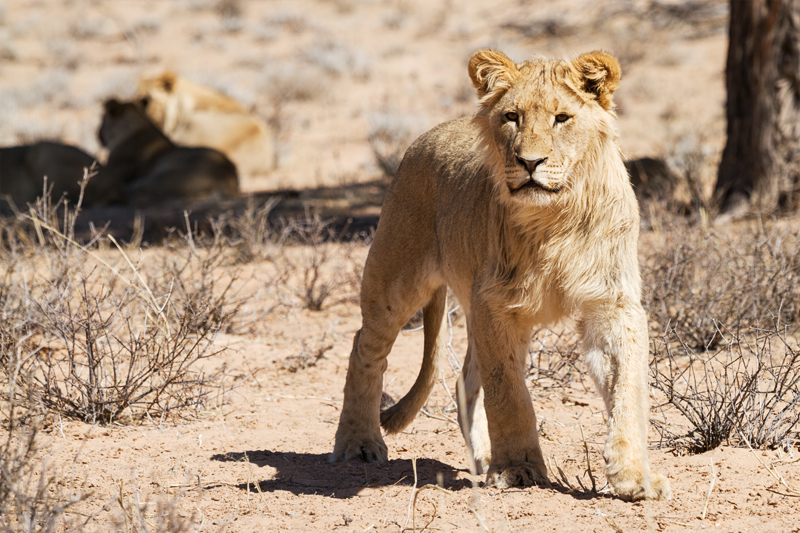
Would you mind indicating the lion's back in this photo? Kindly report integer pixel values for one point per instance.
(23, 169)
(442, 163)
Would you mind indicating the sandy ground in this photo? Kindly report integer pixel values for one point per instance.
(258, 462)
(325, 74)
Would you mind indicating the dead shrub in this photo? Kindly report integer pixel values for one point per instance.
(310, 353)
(229, 8)
(104, 346)
(745, 392)
(311, 259)
(337, 59)
(201, 284)
(291, 81)
(251, 234)
(698, 278)
(31, 499)
(390, 134)
(102, 357)
(555, 358)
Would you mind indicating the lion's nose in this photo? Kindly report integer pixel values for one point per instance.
(531, 164)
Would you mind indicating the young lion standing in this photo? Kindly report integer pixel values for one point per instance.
(526, 212)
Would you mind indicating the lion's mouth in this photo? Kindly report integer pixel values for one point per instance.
(531, 183)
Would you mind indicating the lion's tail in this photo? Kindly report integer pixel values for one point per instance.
(401, 414)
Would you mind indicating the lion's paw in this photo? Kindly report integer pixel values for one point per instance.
(633, 486)
(369, 450)
(482, 463)
(524, 475)
(660, 488)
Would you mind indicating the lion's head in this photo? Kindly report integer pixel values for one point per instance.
(159, 90)
(121, 120)
(542, 120)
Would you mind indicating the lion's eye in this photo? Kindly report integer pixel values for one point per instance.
(562, 117)
(511, 116)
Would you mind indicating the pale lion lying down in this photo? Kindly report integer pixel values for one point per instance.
(195, 115)
(526, 212)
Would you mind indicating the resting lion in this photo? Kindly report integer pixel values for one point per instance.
(195, 115)
(23, 168)
(525, 211)
(145, 167)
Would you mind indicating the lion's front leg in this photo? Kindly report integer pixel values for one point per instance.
(500, 347)
(616, 340)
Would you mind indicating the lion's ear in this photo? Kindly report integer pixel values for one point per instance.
(112, 106)
(167, 80)
(598, 74)
(492, 73)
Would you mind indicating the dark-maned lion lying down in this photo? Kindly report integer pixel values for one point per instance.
(145, 167)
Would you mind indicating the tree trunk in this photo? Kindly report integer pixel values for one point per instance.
(760, 166)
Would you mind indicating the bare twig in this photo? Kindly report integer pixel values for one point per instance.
(710, 488)
(588, 462)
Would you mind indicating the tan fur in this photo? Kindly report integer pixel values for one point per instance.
(23, 169)
(525, 211)
(145, 167)
(192, 114)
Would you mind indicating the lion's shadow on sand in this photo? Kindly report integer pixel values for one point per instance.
(309, 473)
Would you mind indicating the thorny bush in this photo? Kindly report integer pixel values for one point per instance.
(698, 278)
(745, 392)
(102, 344)
(31, 497)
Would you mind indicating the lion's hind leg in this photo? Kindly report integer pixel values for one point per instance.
(471, 414)
(397, 282)
(358, 435)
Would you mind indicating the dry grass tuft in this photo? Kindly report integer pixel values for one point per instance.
(31, 496)
(160, 516)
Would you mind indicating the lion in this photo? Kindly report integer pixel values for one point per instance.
(526, 212)
(23, 170)
(145, 167)
(195, 115)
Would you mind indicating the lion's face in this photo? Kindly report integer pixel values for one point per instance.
(542, 118)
